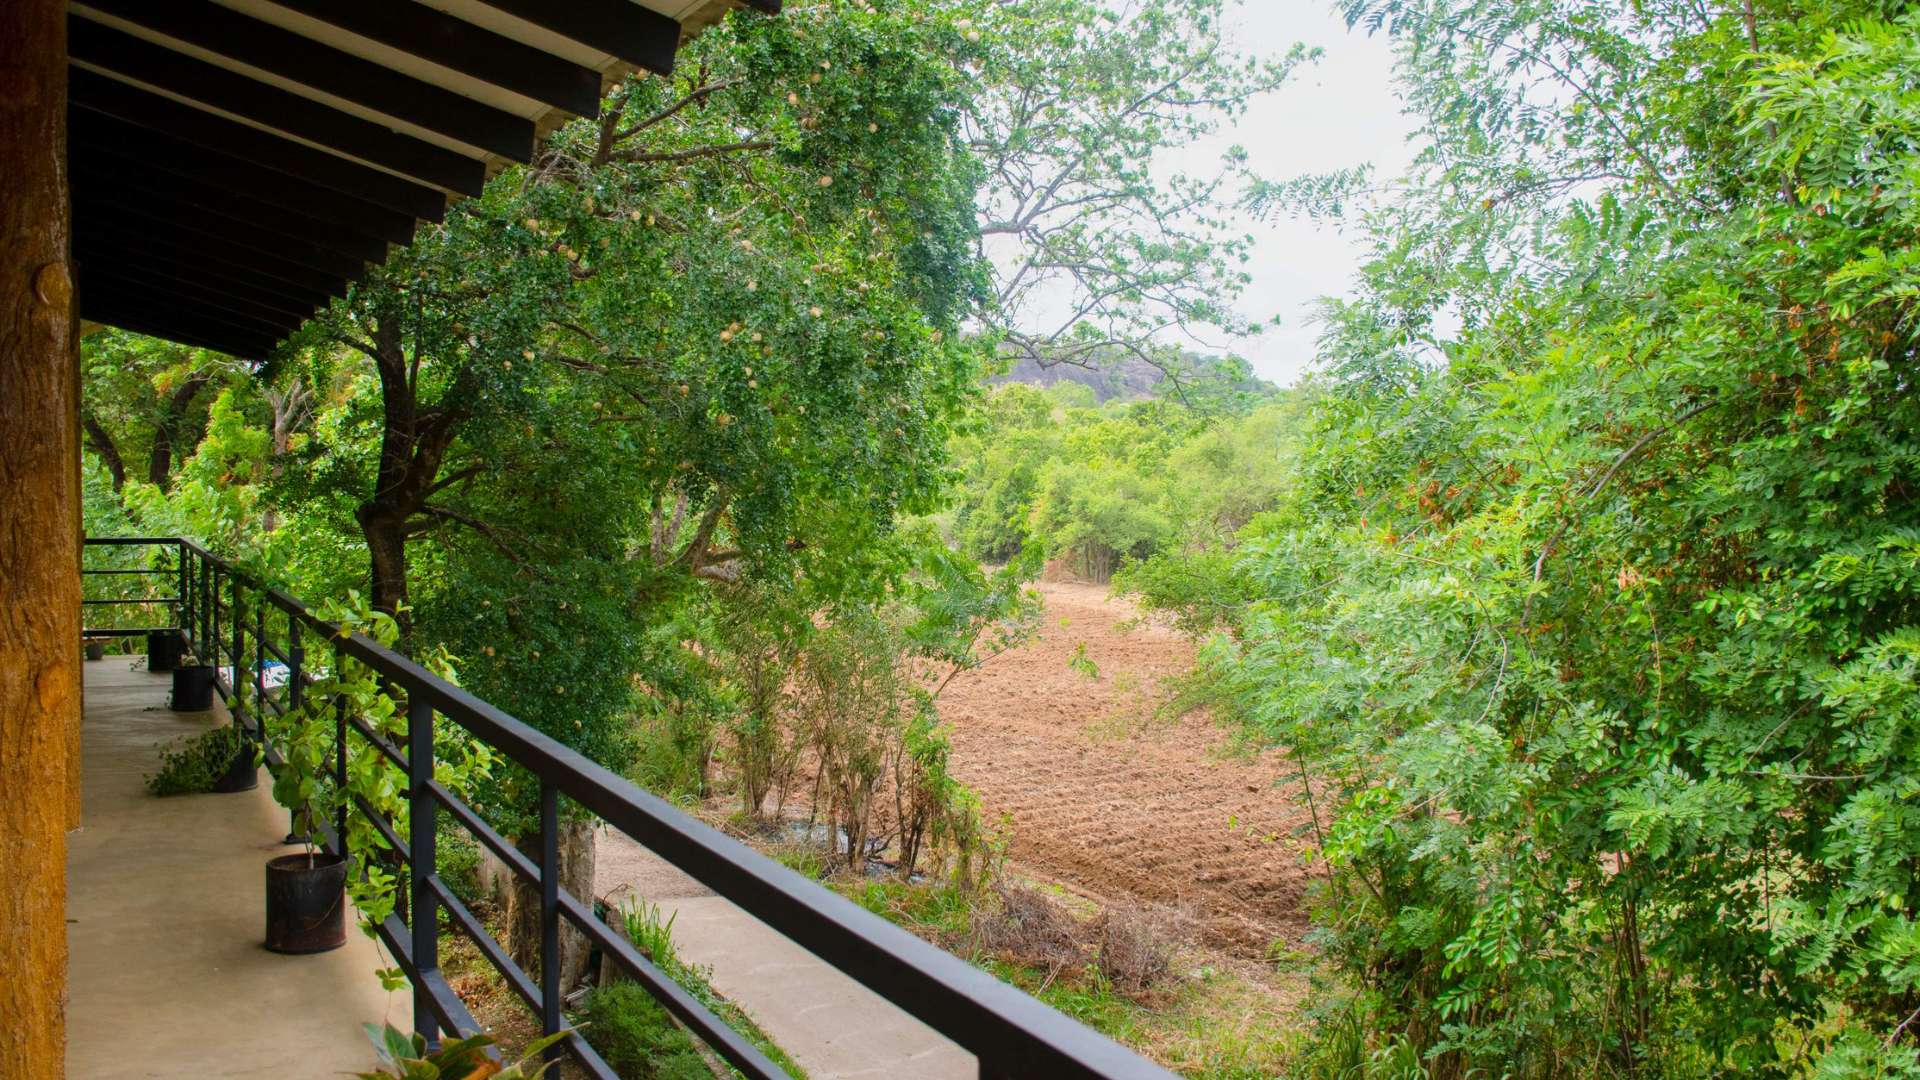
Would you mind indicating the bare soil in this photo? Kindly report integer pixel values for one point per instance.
(1111, 798)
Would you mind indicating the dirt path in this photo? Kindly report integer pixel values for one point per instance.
(1110, 801)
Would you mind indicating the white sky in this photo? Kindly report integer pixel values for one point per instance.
(1335, 114)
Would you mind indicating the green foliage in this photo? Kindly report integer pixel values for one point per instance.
(306, 740)
(1088, 120)
(407, 1057)
(1098, 487)
(191, 764)
(1587, 613)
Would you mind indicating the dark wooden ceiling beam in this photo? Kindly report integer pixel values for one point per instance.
(102, 272)
(175, 326)
(190, 246)
(97, 174)
(379, 201)
(114, 290)
(281, 110)
(177, 335)
(463, 47)
(214, 276)
(302, 60)
(150, 213)
(621, 28)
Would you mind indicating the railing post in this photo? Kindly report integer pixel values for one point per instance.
(260, 659)
(183, 611)
(550, 913)
(296, 665)
(304, 827)
(209, 600)
(340, 758)
(239, 651)
(421, 915)
(209, 650)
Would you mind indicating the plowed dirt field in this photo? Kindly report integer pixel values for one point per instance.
(1114, 802)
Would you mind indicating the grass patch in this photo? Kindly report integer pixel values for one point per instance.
(635, 1034)
(1216, 1025)
(1124, 972)
(652, 934)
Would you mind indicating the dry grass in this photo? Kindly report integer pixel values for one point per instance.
(1134, 944)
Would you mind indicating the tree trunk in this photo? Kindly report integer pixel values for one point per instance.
(387, 552)
(171, 429)
(104, 446)
(413, 445)
(39, 539)
(576, 851)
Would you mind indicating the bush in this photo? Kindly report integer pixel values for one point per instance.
(637, 1037)
(458, 860)
(191, 765)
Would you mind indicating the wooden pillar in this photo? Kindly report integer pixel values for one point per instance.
(39, 555)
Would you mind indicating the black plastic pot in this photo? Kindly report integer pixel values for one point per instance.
(192, 688)
(96, 650)
(306, 903)
(242, 774)
(164, 650)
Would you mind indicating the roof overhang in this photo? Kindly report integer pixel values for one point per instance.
(236, 164)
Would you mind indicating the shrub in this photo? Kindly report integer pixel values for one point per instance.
(191, 765)
(458, 861)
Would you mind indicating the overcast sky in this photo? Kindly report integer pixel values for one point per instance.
(1336, 114)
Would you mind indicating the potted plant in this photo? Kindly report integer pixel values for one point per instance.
(164, 649)
(192, 685)
(217, 759)
(96, 648)
(305, 902)
(243, 768)
(306, 892)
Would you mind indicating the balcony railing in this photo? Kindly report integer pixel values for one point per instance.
(238, 624)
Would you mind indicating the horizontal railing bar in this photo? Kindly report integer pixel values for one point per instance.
(391, 751)
(515, 859)
(714, 1031)
(517, 978)
(380, 823)
(140, 541)
(588, 1058)
(1018, 1033)
(711, 1028)
(447, 1006)
(144, 570)
(101, 631)
(153, 600)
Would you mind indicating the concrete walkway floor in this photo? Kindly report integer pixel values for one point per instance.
(166, 975)
(833, 1027)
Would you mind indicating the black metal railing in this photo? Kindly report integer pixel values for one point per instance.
(222, 610)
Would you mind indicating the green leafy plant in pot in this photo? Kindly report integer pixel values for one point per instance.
(192, 685)
(306, 891)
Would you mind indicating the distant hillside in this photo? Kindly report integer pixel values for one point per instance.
(1128, 378)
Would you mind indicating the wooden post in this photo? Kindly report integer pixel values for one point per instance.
(39, 542)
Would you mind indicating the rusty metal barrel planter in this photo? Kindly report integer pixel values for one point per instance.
(306, 903)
